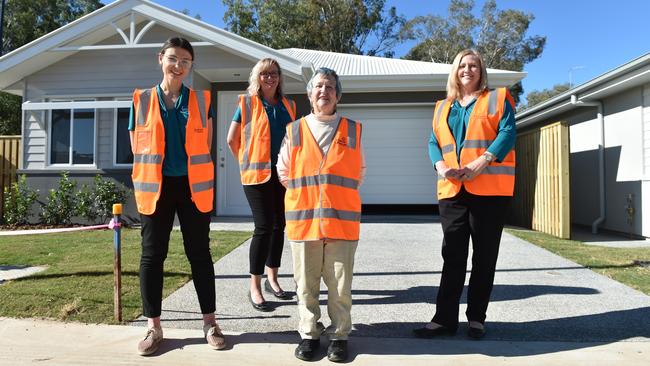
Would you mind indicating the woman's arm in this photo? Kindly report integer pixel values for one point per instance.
(234, 139)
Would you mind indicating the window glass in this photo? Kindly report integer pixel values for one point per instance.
(123, 154)
(60, 137)
(83, 136)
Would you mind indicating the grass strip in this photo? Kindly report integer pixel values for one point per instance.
(78, 283)
(626, 265)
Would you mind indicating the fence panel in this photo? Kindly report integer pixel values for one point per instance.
(9, 162)
(542, 200)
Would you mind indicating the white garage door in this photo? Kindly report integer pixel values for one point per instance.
(395, 141)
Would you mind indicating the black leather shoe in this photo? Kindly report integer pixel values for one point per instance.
(306, 349)
(425, 332)
(278, 294)
(476, 333)
(263, 306)
(337, 351)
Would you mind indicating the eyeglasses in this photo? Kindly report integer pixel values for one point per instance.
(184, 63)
(273, 75)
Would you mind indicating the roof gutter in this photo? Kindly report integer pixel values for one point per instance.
(601, 156)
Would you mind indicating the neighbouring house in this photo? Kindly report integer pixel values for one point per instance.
(608, 119)
(77, 82)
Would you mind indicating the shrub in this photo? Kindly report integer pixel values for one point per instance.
(59, 206)
(98, 202)
(85, 204)
(18, 202)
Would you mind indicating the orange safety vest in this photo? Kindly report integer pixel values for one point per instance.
(255, 147)
(497, 179)
(149, 150)
(322, 199)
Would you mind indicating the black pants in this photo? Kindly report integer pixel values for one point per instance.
(175, 197)
(267, 203)
(481, 218)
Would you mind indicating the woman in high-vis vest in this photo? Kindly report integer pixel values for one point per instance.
(254, 138)
(472, 149)
(173, 173)
(322, 165)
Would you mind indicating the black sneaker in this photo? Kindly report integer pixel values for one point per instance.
(337, 351)
(306, 349)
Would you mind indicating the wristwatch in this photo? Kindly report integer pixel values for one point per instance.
(488, 157)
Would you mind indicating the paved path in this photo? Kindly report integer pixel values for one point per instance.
(545, 310)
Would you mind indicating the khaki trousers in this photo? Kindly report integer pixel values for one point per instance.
(334, 262)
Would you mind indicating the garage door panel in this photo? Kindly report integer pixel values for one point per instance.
(395, 143)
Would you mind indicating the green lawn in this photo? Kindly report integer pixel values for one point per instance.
(620, 264)
(78, 284)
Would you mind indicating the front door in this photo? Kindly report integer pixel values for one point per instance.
(230, 197)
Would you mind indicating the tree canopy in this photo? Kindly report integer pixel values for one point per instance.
(538, 96)
(499, 35)
(25, 21)
(347, 26)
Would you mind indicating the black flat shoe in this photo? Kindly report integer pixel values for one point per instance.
(337, 351)
(475, 333)
(278, 294)
(263, 306)
(307, 349)
(425, 332)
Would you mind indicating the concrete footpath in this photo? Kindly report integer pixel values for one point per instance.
(545, 310)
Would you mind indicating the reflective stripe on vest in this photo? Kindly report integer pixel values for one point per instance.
(323, 213)
(497, 179)
(324, 205)
(149, 151)
(255, 161)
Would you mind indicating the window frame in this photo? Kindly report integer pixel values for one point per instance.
(70, 164)
(114, 139)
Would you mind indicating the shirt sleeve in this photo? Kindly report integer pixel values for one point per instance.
(211, 112)
(435, 154)
(506, 135)
(237, 116)
(132, 118)
(283, 160)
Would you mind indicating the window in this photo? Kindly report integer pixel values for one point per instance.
(123, 154)
(72, 137)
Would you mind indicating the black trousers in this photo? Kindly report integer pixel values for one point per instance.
(481, 218)
(175, 198)
(267, 204)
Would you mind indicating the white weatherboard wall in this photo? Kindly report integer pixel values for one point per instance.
(395, 141)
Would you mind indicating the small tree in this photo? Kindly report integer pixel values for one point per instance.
(59, 206)
(18, 202)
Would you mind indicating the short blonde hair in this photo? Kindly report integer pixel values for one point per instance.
(254, 87)
(453, 83)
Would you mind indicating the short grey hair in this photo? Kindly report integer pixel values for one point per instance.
(324, 71)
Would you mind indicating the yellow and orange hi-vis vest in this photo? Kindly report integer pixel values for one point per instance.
(255, 146)
(498, 179)
(149, 150)
(322, 199)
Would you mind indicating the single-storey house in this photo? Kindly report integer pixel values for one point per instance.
(77, 81)
(609, 145)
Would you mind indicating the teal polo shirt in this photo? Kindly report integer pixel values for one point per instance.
(458, 120)
(278, 117)
(174, 121)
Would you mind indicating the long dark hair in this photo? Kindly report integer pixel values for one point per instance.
(178, 42)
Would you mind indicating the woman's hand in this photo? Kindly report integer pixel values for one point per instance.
(473, 169)
(447, 172)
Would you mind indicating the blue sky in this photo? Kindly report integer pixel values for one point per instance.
(590, 37)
